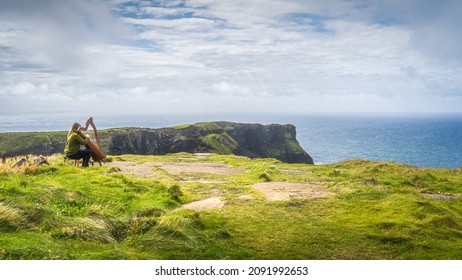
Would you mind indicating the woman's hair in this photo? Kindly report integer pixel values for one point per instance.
(74, 127)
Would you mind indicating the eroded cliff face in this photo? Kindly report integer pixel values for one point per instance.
(251, 140)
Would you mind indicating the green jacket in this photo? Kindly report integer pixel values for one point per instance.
(73, 143)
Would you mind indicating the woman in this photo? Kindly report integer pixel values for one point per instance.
(73, 142)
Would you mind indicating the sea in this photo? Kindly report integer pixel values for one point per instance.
(421, 140)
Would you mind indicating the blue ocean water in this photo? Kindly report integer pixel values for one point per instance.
(419, 141)
(423, 141)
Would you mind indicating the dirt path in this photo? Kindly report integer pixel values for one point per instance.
(129, 167)
(199, 167)
(146, 169)
(285, 191)
(273, 191)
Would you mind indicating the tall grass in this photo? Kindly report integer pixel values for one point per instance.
(379, 211)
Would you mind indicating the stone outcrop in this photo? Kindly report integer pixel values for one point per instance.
(251, 140)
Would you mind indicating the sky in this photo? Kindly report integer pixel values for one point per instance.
(223, 56)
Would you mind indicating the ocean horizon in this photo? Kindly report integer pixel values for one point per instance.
(433, 141)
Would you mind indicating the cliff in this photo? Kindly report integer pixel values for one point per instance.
(251, 140)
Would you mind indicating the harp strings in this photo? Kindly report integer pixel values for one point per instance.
(92, 136)
(91, 131)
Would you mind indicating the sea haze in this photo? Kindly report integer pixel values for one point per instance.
(423, 141)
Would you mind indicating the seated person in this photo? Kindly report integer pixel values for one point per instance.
(74, 140)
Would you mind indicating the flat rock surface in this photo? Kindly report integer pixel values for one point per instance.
(133, 168)
(199, 167)
(206, 204)
(146, 169)
(285, 191)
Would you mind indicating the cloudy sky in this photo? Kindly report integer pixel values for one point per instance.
(230, 56)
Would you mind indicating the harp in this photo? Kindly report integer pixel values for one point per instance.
(94, 143)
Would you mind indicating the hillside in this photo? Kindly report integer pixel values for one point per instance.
(250, 140)
(207, 206)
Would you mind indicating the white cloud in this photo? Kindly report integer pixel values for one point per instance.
(434, 25)
(182, 24)
(232, 89)
(57, 33)
(23, 88)
(282, 55)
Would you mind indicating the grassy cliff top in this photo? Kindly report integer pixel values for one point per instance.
(206, 206)
(252, 140)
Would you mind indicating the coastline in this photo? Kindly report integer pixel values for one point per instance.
(423, 140)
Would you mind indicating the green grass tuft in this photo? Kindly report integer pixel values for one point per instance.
(376, 210)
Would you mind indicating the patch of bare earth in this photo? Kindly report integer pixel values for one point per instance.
(285, 191)
(198, 179)
(206, 204)
(440, 197)
(199, 167)
(129, 167)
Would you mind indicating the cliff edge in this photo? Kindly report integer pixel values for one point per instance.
(251, 140)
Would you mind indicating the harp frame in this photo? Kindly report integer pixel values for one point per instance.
(97, 154)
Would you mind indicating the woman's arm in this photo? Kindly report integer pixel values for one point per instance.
(81, 138)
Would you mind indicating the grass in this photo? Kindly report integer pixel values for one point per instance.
(19, 142)
(380, 210)
(222, 143)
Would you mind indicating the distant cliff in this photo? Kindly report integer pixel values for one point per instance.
(251, 140)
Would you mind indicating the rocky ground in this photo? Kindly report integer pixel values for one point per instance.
(273, 191)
